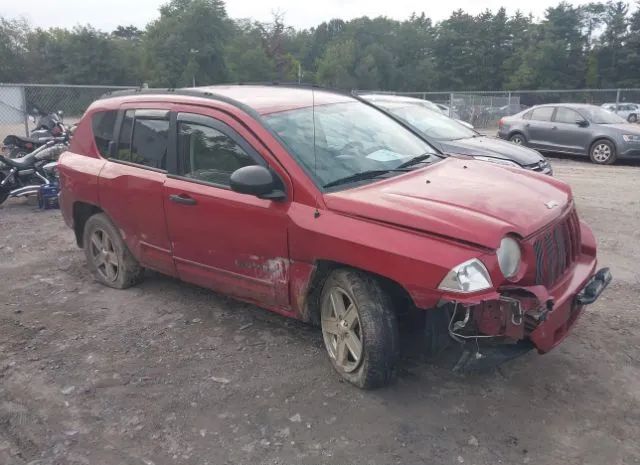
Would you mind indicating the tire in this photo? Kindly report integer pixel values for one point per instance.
(633, 118)
(518, 138)
(603, 152)
(354, 305)
(108, 257)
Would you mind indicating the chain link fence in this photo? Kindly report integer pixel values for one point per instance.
(20, 104)
(484, 109)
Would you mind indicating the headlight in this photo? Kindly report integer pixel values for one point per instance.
(471, 276)
(498, 161)
(509, 256)
(631, 138)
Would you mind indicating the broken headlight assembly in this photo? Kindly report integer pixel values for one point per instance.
(470, 276)
(509, 257)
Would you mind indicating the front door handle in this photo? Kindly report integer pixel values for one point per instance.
(554, 128)
(183, 199)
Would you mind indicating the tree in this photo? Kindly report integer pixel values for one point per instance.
(187, 43)
(13, 37)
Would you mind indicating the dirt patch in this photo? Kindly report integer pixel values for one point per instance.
(170, 373)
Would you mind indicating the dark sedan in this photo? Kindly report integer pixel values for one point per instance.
(574, 129)
(450, 136)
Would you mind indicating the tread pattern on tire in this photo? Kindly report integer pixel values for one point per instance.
(130, 272)
(379, 328)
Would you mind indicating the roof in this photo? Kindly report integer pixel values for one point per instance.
(391, 98)
(568, 105)
(263, 99)
(275, 98)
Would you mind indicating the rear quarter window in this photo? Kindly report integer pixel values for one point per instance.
(103, 124)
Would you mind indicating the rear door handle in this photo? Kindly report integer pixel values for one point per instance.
(183, 199)
(555, 127)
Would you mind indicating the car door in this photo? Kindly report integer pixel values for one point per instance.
(230, 242)
(567, 135)
(538, 128)
(131, 184)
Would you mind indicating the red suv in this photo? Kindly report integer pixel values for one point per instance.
(318, 206)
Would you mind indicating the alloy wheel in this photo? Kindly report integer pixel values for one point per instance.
(104, 256)
(518, 140)
(601, 153)
(341, 330)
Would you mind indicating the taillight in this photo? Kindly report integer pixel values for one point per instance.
(500, 123)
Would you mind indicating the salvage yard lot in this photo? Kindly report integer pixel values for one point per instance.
(170, 373)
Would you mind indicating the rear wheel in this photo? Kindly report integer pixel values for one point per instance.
(603, 152)
(633, 118)
(108, 257)
(518, 139)
(359, 328)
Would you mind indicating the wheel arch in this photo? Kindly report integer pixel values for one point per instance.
(513, 132)
(600, 138)
(82, 211)
(323, 268)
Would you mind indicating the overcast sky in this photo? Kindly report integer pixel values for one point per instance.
(107, 14)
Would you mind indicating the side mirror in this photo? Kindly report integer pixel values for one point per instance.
(583, 123)
(256, 180)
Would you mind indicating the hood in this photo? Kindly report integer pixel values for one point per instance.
(465, 200)
(491, 147)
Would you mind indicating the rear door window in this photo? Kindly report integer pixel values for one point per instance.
(566, 115)
(542, 114)
(143, 141)
(103, 124)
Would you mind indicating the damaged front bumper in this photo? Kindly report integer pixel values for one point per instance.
(517, 317)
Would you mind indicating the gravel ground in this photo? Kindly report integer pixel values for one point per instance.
(167, 373)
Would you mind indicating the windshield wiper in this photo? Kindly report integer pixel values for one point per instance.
(362, 176)
(415, 160)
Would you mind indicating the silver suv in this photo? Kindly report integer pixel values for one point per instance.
(574, 129)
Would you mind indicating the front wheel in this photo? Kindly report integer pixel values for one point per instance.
(359, 328)
(603, 152)
(633, 118)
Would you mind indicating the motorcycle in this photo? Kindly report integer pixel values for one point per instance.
(20, 177)
(48, 127)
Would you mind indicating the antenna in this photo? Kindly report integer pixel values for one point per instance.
(316, 213)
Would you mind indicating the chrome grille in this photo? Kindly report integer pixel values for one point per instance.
(556, 249)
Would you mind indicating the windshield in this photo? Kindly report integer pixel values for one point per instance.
(351, 138)
(600, 116)
(433, 125)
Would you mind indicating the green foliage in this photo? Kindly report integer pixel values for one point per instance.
(595, 45)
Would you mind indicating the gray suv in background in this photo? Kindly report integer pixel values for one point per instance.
(573, 129)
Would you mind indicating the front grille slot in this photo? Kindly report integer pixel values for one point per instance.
(556, 249)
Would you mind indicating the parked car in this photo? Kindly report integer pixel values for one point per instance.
(451, 113)
(451, 137)
(628, 111)
(574, 129)
(318, 206)
(428, 104)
